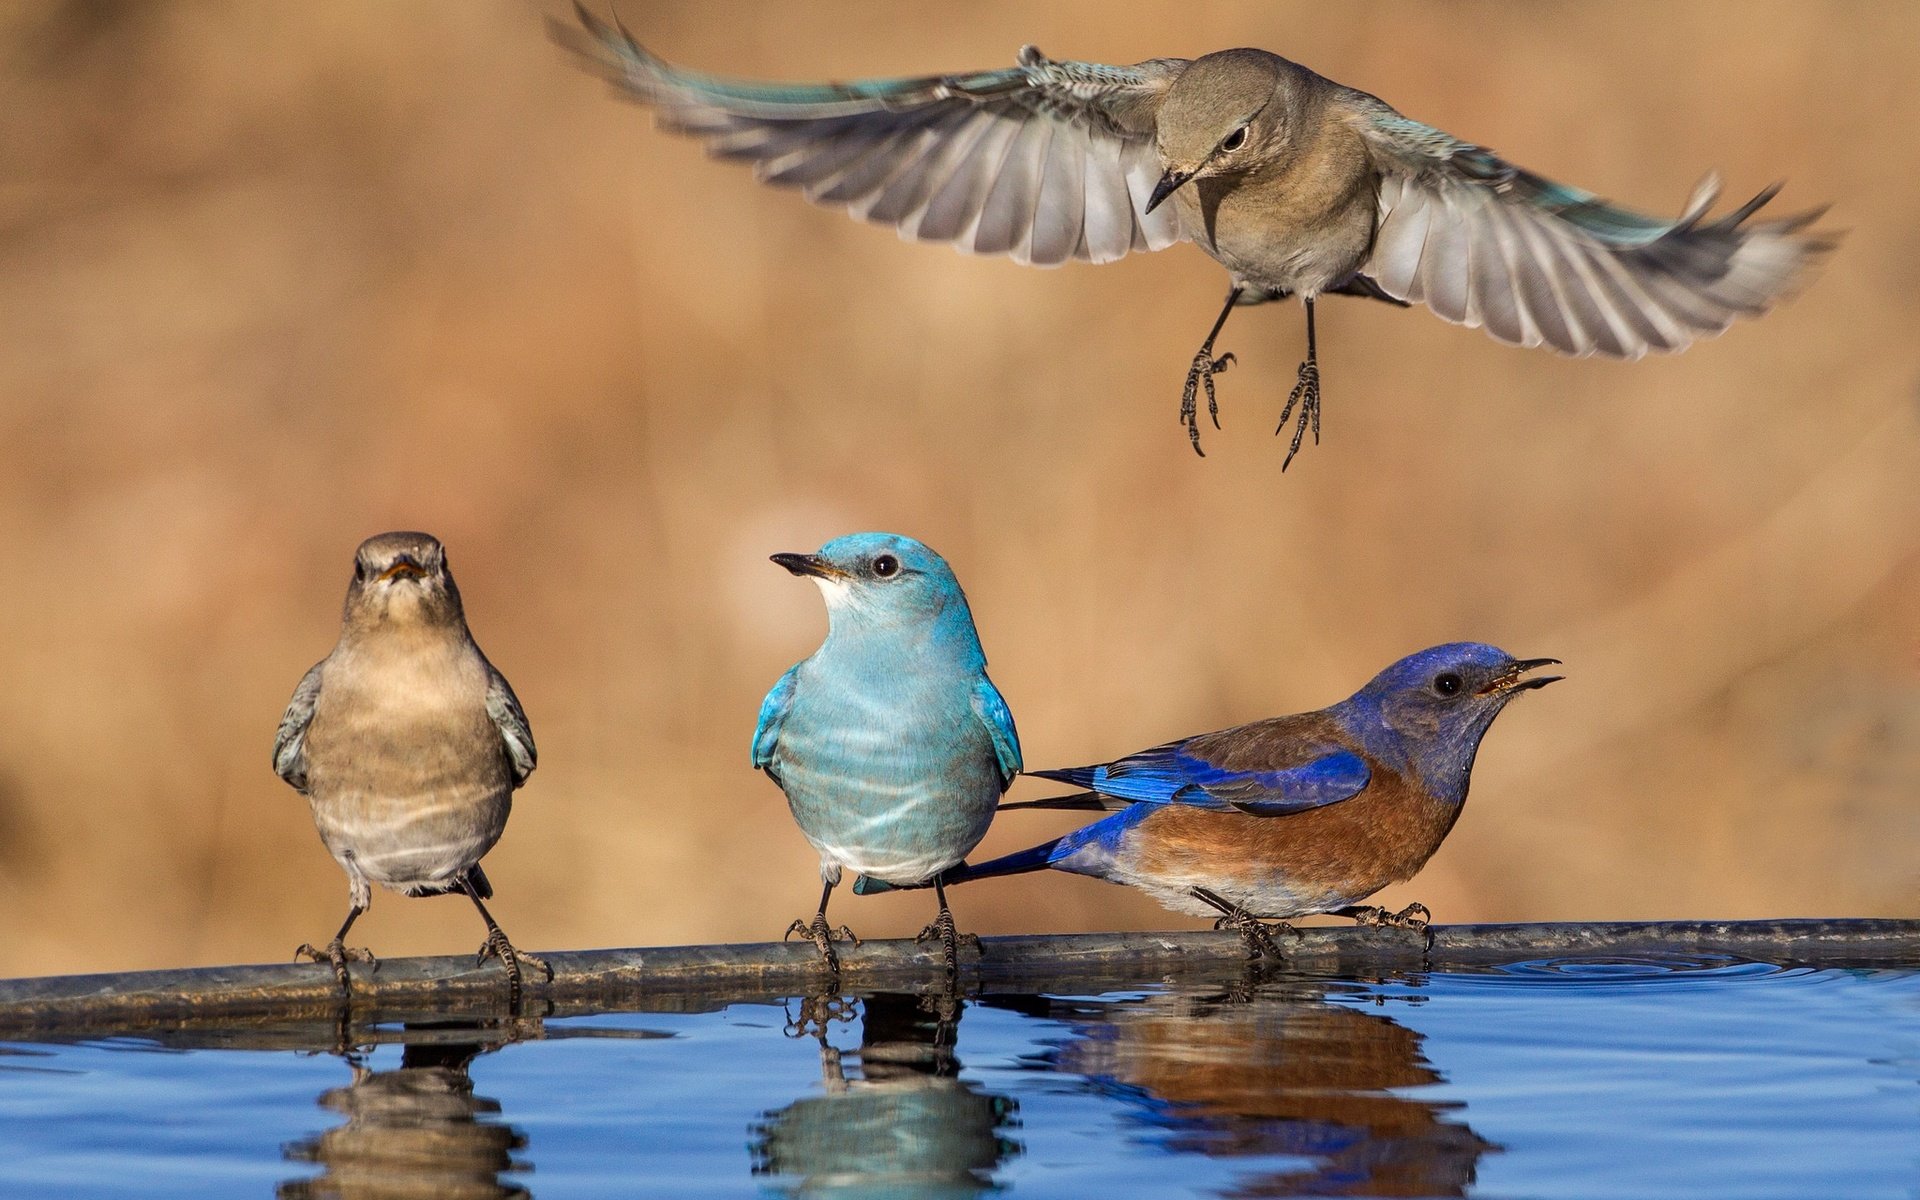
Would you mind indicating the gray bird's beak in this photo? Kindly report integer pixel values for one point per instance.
(402, 566)
(809, 565)
(1170, 182)
(1509, 681)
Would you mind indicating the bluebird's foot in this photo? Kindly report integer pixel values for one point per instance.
(823, 937)
(1200, 375)
(950, 940)
(1306, 394)
(339, 955)
(1257, 934)
(1370, 916)
(497, 946)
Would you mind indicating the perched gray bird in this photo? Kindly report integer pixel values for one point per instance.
(1297, 185)
(407, 743)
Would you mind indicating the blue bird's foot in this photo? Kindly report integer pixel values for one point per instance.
(950, 940)
(1257, 934)
(1305, 394)
(823, 936)
(1415, 916)
(338, 955)
(1200, 375)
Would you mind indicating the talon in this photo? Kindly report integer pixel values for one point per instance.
(1257, 934)
(1200, 376)
(950, 938)
(823, 937)
(337, 956)
(1306, 394)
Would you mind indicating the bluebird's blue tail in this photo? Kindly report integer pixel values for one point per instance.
(1037, 858)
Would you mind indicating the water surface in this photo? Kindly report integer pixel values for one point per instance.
(1630, 1078)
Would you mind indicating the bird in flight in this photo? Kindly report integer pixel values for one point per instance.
(1297, 185)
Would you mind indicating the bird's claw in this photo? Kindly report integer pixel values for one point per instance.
(1200, 375)
(823, 936)
(1257, 934)
(497, 946)
(819, 1012)
(1305, 394)
(1415, 916)
(950, 938)
(337, 955)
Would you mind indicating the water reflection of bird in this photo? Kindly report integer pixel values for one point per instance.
(906, 1125)
(418, 1131)
(1281, 1073)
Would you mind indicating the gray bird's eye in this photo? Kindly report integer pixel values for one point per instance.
(1446, 683)
(886, 566)
(1234, 140)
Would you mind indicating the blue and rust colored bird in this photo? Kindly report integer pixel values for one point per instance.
(890, 742)
(408, 745)
(1297, 185)
(1296, 815)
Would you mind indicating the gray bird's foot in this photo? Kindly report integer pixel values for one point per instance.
(823, 936)
(497, 946)
(1305, 394)
(950, 940)
(338, 956)
(817, 1013)
(1200, 375)
(1257, 934)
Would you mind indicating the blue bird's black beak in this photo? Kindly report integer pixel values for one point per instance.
(809, 565)
(1170, 182)
(1510, 681)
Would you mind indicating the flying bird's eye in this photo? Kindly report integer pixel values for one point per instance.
(1234, 140)
(1446, 683)
(886, 566)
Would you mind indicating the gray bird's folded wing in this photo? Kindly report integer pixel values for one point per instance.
(1534, 262)
(290, 741)
(1044, 161)
(503, 707)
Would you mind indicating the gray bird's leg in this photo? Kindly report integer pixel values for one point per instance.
(497, 946)
(1371, 916)
(1257, 934)
(337, 952)
(1200, 374)
(1306, 393)
(822, 935)
(943, 928)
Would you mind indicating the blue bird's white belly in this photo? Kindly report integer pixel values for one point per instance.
(896, 782)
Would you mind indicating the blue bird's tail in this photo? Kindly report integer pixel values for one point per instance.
(1037, 858)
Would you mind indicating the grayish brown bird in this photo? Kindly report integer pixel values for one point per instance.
(1298, 185)
(407, 743)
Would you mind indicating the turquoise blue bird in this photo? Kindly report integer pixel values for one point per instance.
(890, 742)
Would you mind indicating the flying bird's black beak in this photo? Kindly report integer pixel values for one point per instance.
(1171, 182)
(809, 565)
(1510, 681)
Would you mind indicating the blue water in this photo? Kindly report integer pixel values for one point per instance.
(1631, 1079)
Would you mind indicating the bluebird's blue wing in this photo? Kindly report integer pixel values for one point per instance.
(1043, 161)
(773, 714)
(994, 714)
(1171, 774)
(1485, 243)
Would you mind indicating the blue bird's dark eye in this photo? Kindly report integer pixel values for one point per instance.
(886, 566)
(1446, 683)
(1234, 140)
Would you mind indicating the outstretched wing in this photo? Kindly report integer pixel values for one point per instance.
(773, 714)
(290, 741)
(503, 707)
(1175, 774)
(992, 710)
(1044, 161)
(1534, 262)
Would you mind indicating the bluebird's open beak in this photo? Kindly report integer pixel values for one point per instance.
(1509, 681)
(402, 566)
(809, 565)
(1170, 182)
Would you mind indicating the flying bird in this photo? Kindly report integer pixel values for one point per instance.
(1297, 185)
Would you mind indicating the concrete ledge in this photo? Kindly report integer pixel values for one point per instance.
(695, 977)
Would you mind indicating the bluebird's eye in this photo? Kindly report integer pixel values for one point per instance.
(886, 566)
(1446, 683)
(1234, 140)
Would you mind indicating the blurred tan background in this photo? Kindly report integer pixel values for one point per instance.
(276, 277)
